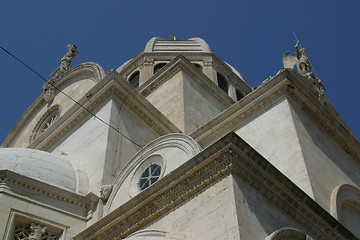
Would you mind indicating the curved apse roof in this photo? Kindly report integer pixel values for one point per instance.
(39, 165)
(157, 44)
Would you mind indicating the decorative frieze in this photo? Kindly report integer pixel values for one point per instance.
(13, 184)
(230, 155)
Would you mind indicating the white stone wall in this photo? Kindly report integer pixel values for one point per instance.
(327, 165)
(210, 215)
(256, 217)
(274, 136)
(185, 103)
(199, 105)
(102, 151)
(87, 147)
(169, 100)
(294, 145)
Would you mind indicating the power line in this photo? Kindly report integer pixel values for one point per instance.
(81, 105)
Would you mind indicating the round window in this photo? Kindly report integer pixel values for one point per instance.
(149, 176)
(148, 172)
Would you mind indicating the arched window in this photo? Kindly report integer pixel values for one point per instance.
(198, 66)
(134, 79)
(158, 67)
(47, 119)
(222, 83)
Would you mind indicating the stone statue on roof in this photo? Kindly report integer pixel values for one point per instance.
(67, 59)
(303, 65)
(65, 62)
(65, 65)
(301, 60)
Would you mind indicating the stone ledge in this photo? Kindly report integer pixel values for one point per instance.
(229, 155)
(40, 193)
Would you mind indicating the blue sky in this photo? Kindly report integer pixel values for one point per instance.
(250, 35)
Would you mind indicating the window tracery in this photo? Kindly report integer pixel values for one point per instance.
(149, 176)
(48, 118)
(33, 232)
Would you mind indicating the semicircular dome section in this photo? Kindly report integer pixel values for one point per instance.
(38, 165)
(157, 44)
(149, 235)
(149, 165)
(74, 83)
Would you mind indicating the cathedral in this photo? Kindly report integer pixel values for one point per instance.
(174, 145)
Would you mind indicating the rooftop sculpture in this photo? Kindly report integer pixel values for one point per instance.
(65, 65)
(303, 65)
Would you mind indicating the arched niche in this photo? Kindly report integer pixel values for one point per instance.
(287, 234)
(149, 234)
(345, 207)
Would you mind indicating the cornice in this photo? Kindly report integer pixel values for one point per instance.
(180, 63)
(241, 112)
(290, 85)
(41, 193)
(229, 156)
(111, 87)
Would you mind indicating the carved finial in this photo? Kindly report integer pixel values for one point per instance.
(174, 37)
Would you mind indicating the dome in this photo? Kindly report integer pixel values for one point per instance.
(38, 165)
(157, 44)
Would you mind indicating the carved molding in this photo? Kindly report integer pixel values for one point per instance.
(32, 190)
(342, 193)
(288, 233)
(91, 70)
(288, 84)
(110, 87)
(230, 155)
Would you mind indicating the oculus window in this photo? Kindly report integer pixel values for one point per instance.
(147, 173)
(149, 176)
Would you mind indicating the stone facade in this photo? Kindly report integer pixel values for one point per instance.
(175, 145)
